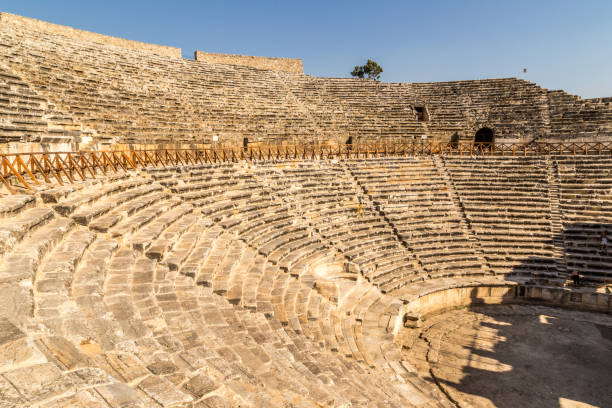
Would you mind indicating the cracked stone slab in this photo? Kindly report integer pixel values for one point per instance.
(39, 382)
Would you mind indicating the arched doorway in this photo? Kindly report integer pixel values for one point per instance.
(484, 136)
(454, 140)
(349, 143)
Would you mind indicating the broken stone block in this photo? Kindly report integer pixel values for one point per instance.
(62, 352)
(200, 385)
(119, 395)
(163, 391)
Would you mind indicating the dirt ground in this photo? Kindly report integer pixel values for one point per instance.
(518, 356)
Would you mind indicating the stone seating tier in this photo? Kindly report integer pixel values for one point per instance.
(259, 284)
(55, 88)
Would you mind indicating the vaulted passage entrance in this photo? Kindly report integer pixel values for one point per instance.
(484, 135)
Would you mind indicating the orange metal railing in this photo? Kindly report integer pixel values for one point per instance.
(34, 168)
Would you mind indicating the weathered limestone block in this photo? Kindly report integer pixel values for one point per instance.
(39, 382)
(105, 223)
(63, 353)
(81, 399)
(200, 385)
(119, 395)
(16, 302)
(54, 195)
(163, 392)
(162, 367)
(15, 347)
(13, 232)
(214, 402)
(11, 205)
(122, 366)
(9, 396)
(89, 376)
(22, 263)
(57, 272)
(328, 289)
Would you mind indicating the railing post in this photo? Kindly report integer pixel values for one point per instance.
(16, 173)
(6, 184)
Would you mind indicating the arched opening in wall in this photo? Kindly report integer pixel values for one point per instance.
(454, 140)
(349, 141)
(422, 113)
(484, 136)
(245, 143)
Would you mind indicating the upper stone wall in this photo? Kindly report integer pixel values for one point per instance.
(119, 95)
(574, 118)
(276, 64)
(7, 18)
(516, 110)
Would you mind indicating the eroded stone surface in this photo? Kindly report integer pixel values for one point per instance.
(281, 107)
(261, 285)
(39, 382)
(518, 356)
(119, 395)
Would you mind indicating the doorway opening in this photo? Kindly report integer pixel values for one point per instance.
(484, 136)
(422, 113)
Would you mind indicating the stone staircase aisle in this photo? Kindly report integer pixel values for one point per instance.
(465, 221)
(556, 222)
(407, 255)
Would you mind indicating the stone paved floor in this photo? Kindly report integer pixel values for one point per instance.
(518, 356)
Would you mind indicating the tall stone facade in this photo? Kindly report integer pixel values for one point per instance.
(64, 88)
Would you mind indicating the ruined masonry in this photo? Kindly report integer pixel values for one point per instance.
(64, 89)
(258, 283)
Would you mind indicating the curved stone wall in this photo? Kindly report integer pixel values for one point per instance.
(261, 284)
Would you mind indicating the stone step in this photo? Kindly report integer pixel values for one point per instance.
(23, 225)
(25, 257)
(13, 205)
(85, 215)
(145, 237)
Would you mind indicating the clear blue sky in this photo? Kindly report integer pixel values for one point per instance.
(563, 44)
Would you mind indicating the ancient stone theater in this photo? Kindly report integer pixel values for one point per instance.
(226, 231)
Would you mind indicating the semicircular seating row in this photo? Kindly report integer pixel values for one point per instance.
(128, 96)
(249, 284)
